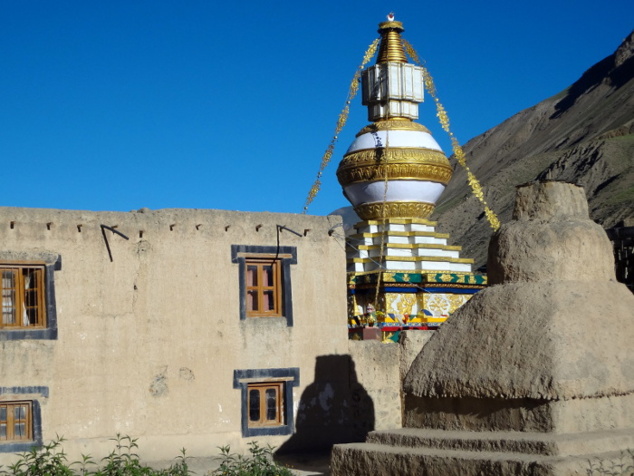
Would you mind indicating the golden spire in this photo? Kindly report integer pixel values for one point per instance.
(391, 44)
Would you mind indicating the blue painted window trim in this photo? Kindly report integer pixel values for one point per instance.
(238, 253)
(36, 417)
(263, 376)
(50, 332)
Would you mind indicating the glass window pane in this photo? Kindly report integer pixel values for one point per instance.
(8, 297)
(268, 277)
(29, 278)
(19, 431)
(271, 404)
(30, 297)
(19, 412)
(254, 405)
(8, 312)
(252, 275)
(3, 431)
(3, 413)
(268, 303)
(252, 301)
(31, 317)
(8, 279)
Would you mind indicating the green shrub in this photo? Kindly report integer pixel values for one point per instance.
(123, 461)
(259, 463)
(50, 460)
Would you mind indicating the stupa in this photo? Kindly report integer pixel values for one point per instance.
(393, 174)
(522, 381)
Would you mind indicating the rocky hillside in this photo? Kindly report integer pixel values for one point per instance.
(583, 135)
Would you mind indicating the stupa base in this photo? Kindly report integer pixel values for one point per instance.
(410, 451)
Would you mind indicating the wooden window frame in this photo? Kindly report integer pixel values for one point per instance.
(31, 395)
(257, 291)
(23, 306)
(262, 388)
(9, 422)
(284, 257)
(283, 381)
(46, 325)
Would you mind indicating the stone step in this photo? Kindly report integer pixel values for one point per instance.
(546, 444)
(385, 460)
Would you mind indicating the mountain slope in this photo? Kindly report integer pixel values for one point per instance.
(583, 135)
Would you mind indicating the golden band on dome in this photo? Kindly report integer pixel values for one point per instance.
(393, 125)
(398, 171)
(377, 164)
(378, 210)
(402, 155)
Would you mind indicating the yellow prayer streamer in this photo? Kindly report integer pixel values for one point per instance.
(383, 219)
(341, 122)
(473, 182)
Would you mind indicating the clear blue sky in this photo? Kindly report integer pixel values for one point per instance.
(118, 105)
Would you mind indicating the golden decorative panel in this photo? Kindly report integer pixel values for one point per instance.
(457, 300)
(442, 303)
(400, 304)
(438, 304)
(377, 210)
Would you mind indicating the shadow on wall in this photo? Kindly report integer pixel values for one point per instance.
(335, 408)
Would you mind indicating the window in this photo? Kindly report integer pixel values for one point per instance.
(264, 287)
(265, 280)
(21, 418)
(23, 302)
(267, 400)
(27, 295)
(265, 404)
(16, 422)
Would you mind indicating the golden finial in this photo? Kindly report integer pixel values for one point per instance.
(391, 45)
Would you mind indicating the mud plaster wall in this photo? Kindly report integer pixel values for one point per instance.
(355, 393)
(381, 369)
(148, 341)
